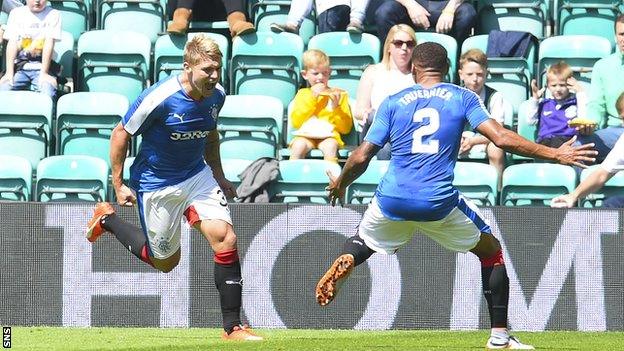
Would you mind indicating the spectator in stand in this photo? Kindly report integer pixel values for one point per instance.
(473, 72)
(31, 32)
(332, 16)
(453, 17)
(391, 75)
(209, 10)
(555, 115)
(320, 114)
(606, 85)
(7, 6)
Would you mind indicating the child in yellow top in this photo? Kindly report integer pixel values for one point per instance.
(319, 113)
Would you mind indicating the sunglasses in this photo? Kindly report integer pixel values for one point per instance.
(399, 44)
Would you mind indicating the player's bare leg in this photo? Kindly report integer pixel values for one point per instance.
(496, 290)
(354, 252)
(228, 279)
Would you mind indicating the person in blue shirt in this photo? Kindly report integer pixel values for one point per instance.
(177, 173)
(424, 124)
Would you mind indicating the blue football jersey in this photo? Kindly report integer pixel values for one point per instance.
(173, 128)
(423, 127)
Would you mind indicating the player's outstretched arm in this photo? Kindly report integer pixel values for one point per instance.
(595, 181)
(119, 141)
(566, 154)
(355, 166)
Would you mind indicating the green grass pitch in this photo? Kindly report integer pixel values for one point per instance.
(175, 339)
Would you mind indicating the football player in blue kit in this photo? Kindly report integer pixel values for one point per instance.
(177, 173)
(423, 124)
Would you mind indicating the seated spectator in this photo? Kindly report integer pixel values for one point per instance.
(553, 115)
(209, 10)
(613, 163)
(473, 73)
(606, 86)
(453, 17)
(320, 114)
(31, 31)
(391, 75)
(332, 16)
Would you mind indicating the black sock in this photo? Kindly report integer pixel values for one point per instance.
(496, 290)
(356, 247)
(129, 235)
(230, 285)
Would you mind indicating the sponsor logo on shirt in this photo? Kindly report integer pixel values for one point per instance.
(196, 134)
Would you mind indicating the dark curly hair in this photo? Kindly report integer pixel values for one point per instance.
(430, 56)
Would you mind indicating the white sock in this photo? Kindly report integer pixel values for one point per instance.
(498, 334)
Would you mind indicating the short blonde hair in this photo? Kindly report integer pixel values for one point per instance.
(390, 37)
(201, 47)
(473, 55)
(560, 69)
(315, 58)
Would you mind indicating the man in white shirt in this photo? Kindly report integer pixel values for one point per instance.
(31, 32)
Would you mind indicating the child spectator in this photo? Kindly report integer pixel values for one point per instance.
(31, 31)
(319, 113)
(473, 72)
(552, 115)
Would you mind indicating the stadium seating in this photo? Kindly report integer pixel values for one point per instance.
(15, 178)
(265, 12)
(113, 61)
(509, 75)
(349, 55)
(477, 181)
(265, 63)
(587, 17)
(528, 16)
(303, 181)
(614, 186)
(169, 49)
(72, 178)
(126, 169)
(64, 55)
(232, 167)
(449, 43)
(25, 125)
(579, 51)
(250, 126)
(85, 120)
(362, 190)
(75, 16)
(536, 183)
(142, 16)
(526, 130)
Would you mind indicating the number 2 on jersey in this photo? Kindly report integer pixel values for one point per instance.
(431, 146)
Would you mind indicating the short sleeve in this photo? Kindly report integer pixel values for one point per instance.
(140, 116)
(379, 132)
(475, 111)
(614, 162)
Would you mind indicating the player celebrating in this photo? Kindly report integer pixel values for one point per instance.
(424, 124)
(176, 173)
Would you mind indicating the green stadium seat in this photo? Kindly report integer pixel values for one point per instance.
(477, 181)
(526, 130)
(587, 17)
(15, 178)
(232, 167)
(362, 190)
(69, 178)
(614, 186)
(85, 121)
(536, 183)
(349, 55)
(64, 55)
(114, 62)
(250, 126)
(169, 49)
(528, 16)
(142, 16)
(25, 125)
(303, 181)
(449, 43)
(579, 51)
(75, 16)
(265, 63)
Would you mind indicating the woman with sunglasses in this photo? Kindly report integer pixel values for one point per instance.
(391, 75)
